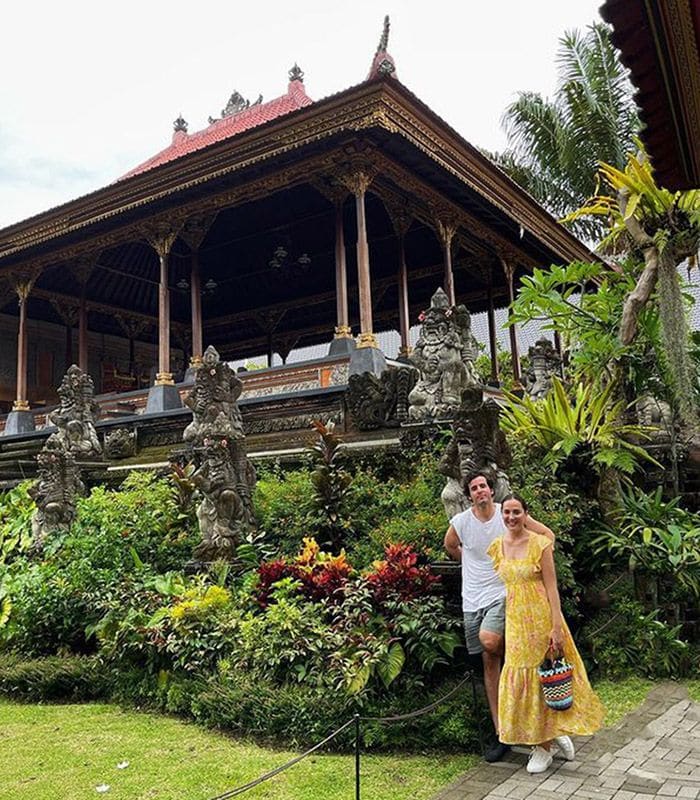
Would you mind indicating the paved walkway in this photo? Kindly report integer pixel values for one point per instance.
(653, 752)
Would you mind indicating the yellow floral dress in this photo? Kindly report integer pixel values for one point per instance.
(523, 716)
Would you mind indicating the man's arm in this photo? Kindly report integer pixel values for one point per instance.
(537, 527)
(452, 544)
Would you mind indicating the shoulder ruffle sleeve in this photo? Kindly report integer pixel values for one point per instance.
(539, 545)
(495, 551)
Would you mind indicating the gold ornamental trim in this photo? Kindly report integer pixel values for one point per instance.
(367, 339)
(165, 379)
(383, 105)
(20, 405)
(343, 332)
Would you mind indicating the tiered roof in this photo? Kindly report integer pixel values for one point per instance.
(238, 116)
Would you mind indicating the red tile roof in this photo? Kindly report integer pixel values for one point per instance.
(227, 127)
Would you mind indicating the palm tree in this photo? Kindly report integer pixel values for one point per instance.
(660, 229)
(555, 145)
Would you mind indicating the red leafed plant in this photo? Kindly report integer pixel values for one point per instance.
(400, 576)
(321, 574)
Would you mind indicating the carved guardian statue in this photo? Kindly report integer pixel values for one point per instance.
(477, 443)
(224, 475)
(444, 356)
(55, 491)
(545, 363)
(75, 416)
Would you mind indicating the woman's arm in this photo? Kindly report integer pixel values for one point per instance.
(538, 527)
(549, 578)
(452, 544)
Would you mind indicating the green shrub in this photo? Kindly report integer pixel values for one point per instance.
(71, 678)
(301, 715)
(624, 640)
(143, 514)
(284, 507)
(16, 510)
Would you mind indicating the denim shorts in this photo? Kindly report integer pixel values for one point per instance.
(492, 619)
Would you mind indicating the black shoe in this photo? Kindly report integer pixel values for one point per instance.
(496, 752)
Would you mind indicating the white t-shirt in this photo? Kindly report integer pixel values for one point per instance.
(481, 586)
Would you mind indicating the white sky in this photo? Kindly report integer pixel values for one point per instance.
(89, 90)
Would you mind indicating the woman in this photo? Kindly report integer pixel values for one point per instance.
(534, 625)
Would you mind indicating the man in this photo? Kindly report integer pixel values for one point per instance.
(483, 593)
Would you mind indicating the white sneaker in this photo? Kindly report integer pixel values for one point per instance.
(565, 747)
(540, 760)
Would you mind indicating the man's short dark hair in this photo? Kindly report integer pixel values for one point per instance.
(486, 473)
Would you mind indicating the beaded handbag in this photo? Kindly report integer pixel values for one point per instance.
(556, 680)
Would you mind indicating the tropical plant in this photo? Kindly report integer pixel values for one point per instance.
(16, 510)
(583, 302)
(655, 536)
(331, 482)
(626, 640)
(662, 229)
(554, 145)
(587, 425)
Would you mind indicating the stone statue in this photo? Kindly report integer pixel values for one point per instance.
(55, 491)
(545, 363)
(224, 476)
(444, 356)
(380, 402)
(477, 443)
(213, 401)
(75, 416)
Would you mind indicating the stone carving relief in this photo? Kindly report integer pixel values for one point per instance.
(120, 443)
(223, 474)
(477, 443)
(380, 402)
(545, 363)
(444, 356)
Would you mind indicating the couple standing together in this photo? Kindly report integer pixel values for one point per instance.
(512, 614)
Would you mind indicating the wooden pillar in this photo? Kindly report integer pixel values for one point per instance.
(446, 228)
(509, 271)
(83, 333)
(193, 233)
(82, 269)
(21, 400)
(162, 243)
(400, 215)
(196, 301)
(68, 358)
(404, 318)
(493, 341)
(358, 183)
(342, 329)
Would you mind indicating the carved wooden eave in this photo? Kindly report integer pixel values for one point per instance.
(659, 43)
(271, 157)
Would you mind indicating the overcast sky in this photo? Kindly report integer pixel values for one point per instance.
(88, 90)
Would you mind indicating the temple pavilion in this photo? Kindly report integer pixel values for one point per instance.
(283, 223)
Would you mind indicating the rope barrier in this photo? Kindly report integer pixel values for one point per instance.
(426, 709)
(272, 773)
(356, 722)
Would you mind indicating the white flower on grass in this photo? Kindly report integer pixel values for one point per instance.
(102, 788)
(122, 765)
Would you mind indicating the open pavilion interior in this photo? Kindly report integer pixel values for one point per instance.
(281, 224)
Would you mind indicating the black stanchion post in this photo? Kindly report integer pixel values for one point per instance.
(357, 757)
(475, 705)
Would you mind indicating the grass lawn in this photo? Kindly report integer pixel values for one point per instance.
(61, 752)
(64, 752)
